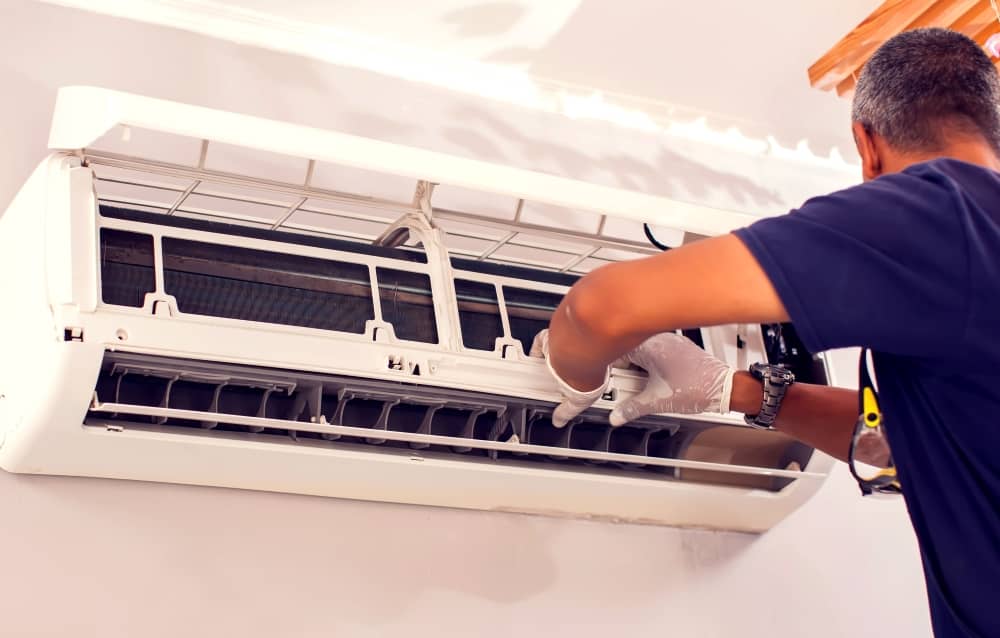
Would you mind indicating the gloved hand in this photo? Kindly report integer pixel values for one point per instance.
(574, 401)
(683, 379)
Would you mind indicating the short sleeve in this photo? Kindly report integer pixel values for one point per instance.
(882, 265)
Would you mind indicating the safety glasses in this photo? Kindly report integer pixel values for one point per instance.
(869, 442)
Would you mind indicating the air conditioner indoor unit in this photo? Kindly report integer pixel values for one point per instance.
(201, 297)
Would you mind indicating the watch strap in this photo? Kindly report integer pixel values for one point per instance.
(775, 380)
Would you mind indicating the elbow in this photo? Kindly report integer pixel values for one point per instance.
(594, 311)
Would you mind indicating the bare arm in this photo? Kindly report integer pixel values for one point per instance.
(617, 307)
(715, 281)
(820, 416)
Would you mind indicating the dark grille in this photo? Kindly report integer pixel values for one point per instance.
(216, 389)
(407, 304)
(478, 314)
(529, 312)
(127, 273)
(255, 285)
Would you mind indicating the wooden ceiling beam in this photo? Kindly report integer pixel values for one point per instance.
(984, 34)
(973, 21)
(846, 88)
(946, 13)
(856, 47)
(942, 14)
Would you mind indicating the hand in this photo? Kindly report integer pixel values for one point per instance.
(683, 379)
(574, 401)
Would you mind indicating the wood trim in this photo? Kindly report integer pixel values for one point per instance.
(838, 68)
(975, 19)
(856, 47)
(846, 88)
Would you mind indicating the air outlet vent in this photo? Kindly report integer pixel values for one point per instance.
(212, 399)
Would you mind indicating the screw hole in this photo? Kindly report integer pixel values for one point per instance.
(121, 335)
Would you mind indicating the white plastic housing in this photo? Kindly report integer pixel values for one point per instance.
(56, 329)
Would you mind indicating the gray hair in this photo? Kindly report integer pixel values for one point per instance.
(923, 85)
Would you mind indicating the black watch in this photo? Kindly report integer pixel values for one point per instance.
(776, 380)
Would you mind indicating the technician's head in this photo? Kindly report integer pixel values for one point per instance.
(921, 95)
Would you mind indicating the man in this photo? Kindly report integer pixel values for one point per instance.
(907, 264)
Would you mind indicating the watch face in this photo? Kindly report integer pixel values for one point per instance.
(775, 373)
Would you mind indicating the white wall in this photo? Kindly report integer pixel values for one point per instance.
(103, 558)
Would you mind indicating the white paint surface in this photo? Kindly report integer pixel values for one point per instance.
(731, 59)
(115, 559)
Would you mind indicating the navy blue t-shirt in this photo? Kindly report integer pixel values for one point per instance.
(909, 266)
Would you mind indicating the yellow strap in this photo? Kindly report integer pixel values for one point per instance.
(873, 416)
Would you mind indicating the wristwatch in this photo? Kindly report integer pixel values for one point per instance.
(776, 380)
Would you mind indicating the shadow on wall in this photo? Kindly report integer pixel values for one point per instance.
(484, 20)
(654, 51)
(670, 175)
(365, 562)
(25, 116)
(187, 67)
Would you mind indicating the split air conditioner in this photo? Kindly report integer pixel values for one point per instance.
(202, 297)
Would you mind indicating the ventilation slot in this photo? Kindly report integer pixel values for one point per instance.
(211, 399)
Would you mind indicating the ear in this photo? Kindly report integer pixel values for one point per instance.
(871, 161)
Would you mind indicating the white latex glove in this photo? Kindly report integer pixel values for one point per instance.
(683, 379)
(574, 401)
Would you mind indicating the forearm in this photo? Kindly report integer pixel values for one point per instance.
(710, 282)
(616, 307)
(820, 416)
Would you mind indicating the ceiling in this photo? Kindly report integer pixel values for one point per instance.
(745, 61)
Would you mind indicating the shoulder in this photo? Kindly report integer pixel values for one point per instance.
(920, 204)
(895, 244)
(920, 188)
(953, 172)
(937, 186)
